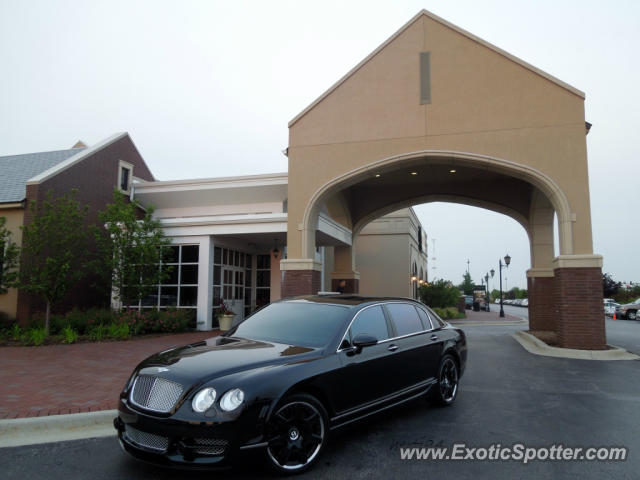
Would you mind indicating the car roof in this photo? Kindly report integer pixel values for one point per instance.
(346, 300)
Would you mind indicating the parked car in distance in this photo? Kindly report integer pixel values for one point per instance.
(629, 310)
(525, 302)
(610, 306)
(279, 381)
(468, 302)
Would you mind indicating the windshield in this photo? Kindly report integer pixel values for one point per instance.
(294, 323)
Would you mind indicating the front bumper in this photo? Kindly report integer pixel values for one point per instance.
(175, 442)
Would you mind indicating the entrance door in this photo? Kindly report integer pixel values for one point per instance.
(233, 290)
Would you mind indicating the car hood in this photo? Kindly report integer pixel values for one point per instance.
(220, 356)
(632, 304)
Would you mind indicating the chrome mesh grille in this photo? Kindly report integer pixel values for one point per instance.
(155, 393)
(151, 441)
(210, 446)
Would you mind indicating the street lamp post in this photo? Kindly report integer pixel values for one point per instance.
(507, 261)
(486, 293)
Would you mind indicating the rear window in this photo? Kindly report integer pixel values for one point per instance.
(405, 318)
(371, 321)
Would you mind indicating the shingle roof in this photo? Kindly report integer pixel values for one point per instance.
(15, 170)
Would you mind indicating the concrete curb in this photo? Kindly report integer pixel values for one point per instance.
(536, 346)
(56, 428)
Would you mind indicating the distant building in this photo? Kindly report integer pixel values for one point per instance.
(94, 171)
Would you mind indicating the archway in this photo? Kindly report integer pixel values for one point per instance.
(438, 114)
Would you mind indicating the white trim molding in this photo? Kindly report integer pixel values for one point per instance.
(577, 261)
(300, 264)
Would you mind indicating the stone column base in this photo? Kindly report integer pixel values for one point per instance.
(541, 300)
(300, 277)
(578, 307)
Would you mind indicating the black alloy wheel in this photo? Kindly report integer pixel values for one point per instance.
(446, 390)
(296, 433)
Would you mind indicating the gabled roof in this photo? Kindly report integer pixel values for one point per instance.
(16, 170)
(461, 31)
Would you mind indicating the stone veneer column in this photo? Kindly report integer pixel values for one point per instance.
(541, 299)
(578, 302)
(300, 277)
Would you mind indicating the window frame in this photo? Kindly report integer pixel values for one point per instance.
(127, 166)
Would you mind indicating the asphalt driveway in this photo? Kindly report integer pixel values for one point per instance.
(507, 396)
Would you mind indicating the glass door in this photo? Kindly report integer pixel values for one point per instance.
(233, 290)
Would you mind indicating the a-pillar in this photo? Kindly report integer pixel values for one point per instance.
(300, 277)
(578, 301)
(344, 271)
(541, 299)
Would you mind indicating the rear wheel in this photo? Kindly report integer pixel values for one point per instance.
(446, 390)
(632, 314)
(296, 433)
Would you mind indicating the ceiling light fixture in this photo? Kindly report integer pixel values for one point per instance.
(453, 170)
(377, 175)
(414, 173)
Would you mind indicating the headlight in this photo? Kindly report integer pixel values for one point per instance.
(232, 400)
(203, 400)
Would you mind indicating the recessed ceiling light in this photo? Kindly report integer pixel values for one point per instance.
(377, 175)
(453, 170)
(414, 173)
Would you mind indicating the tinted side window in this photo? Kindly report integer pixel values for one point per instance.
(437, 321)
(405, 318)
(371, 321)
(425, 319)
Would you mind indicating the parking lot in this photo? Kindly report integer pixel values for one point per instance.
(507, 396)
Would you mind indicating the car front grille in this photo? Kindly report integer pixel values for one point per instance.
(151, 441)
(209, 446)
(155, 393)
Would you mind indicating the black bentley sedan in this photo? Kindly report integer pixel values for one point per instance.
(286, 376)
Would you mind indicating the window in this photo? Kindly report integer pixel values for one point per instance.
(405, 318)
(125, 174)
(425, 319)
(180, 288)
(263, 280)
(370, 321)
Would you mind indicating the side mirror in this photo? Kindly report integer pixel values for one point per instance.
(363, 340)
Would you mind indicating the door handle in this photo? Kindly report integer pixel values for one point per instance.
(392, 348)
(434, 337)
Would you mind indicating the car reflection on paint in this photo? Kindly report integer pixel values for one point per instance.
(277, 383)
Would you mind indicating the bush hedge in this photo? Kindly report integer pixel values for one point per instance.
(96, 325)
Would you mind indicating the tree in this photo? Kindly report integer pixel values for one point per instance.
(609, 286)
(130, 249)
(54, 248)
(467, 284)
(440, 294)
(9, 255)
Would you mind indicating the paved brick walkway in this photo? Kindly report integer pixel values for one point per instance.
(84, 377)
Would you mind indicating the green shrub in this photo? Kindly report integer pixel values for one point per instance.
(119, 331)
(440, 294)
(154, 321)
(36, 336)
(448, 313)
(97, 332)
(15, 332)
(69, 334)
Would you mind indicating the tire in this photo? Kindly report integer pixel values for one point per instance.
(446, 390)
(632, 314)
(296, 434)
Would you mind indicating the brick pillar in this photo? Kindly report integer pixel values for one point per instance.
(578, 307)
(541, 303)
(352, 285)
(300, 282)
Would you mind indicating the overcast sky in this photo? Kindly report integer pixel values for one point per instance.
(192, 80)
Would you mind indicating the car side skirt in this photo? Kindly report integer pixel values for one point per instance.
(384, 403)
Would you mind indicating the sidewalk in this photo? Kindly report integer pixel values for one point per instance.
(488, 318)
(83, 377)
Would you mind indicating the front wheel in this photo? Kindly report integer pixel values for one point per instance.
(632, 314)
(446, 390)
(296, 433)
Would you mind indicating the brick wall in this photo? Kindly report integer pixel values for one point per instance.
(578, 306)
(541, 304)
(300, 282)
